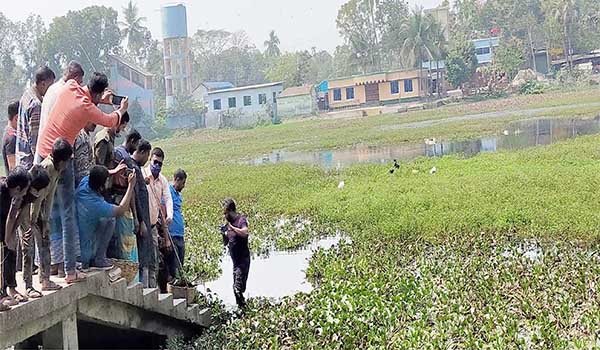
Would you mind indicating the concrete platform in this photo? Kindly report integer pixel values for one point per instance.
(98, 301)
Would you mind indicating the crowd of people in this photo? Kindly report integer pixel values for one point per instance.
(72, 200)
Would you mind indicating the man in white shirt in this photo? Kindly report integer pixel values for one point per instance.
(74, 71)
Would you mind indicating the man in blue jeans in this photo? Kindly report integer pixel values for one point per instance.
(96, 216)
(177, 227)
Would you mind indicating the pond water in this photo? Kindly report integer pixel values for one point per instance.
(278, 275)
(517, 135)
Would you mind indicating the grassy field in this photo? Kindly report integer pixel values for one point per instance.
(496, 251)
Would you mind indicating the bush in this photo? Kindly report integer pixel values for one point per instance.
(532, 87)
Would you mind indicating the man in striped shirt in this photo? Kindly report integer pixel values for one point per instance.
(29, 116)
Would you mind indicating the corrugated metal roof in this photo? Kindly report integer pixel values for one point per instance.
(297, 90)
(245, 88)
(217, 85)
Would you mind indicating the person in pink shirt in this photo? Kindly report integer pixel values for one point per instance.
(75, 106)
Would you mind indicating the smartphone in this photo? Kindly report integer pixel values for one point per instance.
(116, 100)
(223, 228)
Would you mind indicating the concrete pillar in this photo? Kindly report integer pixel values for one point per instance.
(69, 333)
(62, 335)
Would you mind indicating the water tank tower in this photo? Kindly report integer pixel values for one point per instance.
(178, 69)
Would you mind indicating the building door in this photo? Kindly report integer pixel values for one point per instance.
(372, 92)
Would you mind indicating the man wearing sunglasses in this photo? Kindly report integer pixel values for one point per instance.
(159, 193)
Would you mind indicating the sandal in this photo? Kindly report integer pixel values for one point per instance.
(75, 277)
(50, 286)
(9, 301)
(20, 298)
(33, 294)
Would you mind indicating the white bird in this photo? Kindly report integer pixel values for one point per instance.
(433, 170)
(505, 132)
(341, 185)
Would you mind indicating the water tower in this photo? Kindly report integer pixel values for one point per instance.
(178, 70)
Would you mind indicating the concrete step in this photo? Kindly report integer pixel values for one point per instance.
(135, 294)
(119, 290)
(165, 303)
(150, 298)
(179, 308)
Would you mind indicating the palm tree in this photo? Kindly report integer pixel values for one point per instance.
(132, 28)
(419, 39)
(564, 12)
(272, 45)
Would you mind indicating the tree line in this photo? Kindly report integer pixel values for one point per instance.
(377, 35)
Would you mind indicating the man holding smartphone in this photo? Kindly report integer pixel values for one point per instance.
(75, 106)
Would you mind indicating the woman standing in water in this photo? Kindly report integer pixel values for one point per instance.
(236, 234)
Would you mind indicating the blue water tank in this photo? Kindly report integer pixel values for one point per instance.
(174, 21)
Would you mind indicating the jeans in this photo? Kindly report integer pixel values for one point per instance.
(95, 244)
(31, 235)
(65, 198)
(173, 265)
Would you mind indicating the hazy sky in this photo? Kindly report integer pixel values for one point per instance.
(300, 24)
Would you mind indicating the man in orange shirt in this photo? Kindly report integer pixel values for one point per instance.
(75, 106)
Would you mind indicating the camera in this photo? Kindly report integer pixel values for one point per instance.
(128, 172)
(116, 100)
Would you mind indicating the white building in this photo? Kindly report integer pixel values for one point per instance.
(242, 106)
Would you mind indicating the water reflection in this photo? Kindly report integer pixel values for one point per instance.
(517, 135)
(278, 275)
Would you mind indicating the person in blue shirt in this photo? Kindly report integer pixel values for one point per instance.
(95, 215)
(177, 226)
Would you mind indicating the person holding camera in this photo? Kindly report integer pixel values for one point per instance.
(75, 106)
(235, 234)
(96, 215)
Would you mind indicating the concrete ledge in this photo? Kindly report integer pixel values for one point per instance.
(98, 300)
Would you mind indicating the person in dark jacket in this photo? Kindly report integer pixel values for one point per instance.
(236, 232)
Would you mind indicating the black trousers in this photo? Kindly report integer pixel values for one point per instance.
(240, 277)
(9, 270)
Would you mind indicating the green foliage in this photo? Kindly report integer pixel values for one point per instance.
(509, 57)
(88, 36)
(224, 56)
(461, 62)
(532, 87)
(272, 45)
(496, 249)
(133, 30)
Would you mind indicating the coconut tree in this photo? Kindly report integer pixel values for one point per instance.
(419, 39)
(272, 45)
(132, 28)
(564, 12)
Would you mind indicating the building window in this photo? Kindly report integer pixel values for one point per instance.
(350, 93)
(247, 101)
(217, 105)
(262, 99)
(408, 85)
(274, 97)
(483, 51)
(337, 94)
(395, 86)
(232, 102)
